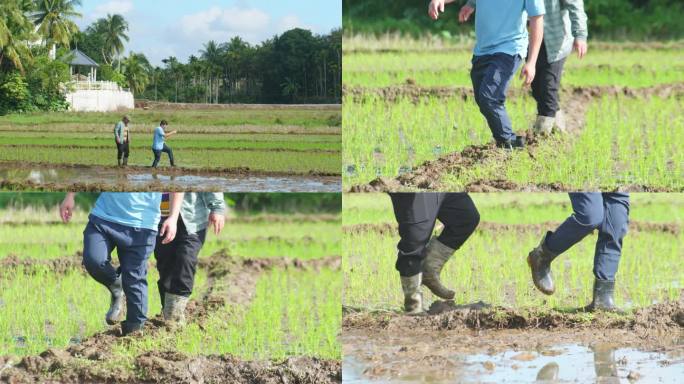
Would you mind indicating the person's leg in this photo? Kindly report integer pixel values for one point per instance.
(183, 273)
(609, 248)
(496, 73)
(119, 153)
(126, 151)
(169, 152)
(137, 245)
(157, 157)
(97, 250)
(545, 90)
(460, 218)
(587, 215)
(166, 260)
(416, 214)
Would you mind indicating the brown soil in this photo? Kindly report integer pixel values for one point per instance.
(634, 226)
(230, 280)
(57, 266)
(28, 147)
(427, 176)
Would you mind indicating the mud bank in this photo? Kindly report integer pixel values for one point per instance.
(47, 177)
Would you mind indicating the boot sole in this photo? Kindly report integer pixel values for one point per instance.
(435, 291)
(540, 289)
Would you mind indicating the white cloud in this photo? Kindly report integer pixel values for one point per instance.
(120, 7)
(217, 23)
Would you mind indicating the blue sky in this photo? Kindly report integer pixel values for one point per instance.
(163, 28)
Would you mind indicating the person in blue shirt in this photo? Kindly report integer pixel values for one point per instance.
(127, 222)
(501, 44)
(158, 144)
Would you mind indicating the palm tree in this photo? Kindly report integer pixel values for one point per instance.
(212, 54)
(53, 18)
(137, 71)
(15, 29)
(113, 28)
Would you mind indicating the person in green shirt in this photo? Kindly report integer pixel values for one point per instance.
(122, 137)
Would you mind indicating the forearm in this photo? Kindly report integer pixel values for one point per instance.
(536, 36)
(175, 202)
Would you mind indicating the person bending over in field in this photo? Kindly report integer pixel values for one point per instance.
(421, 258)
(177, 260)
(127, 222)
(122, 137)
(606, 212)
(159, 145)
(501, 43)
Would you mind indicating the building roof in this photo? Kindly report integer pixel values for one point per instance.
(79, 58)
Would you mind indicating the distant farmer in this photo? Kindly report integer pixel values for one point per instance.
(501, 43)
(158, 144)
(122, 136)
(129, 223)
(606, 212)
(177, 260)
(565, 28)
(421, 258)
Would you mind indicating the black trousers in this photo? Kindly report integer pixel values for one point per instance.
(157, 155)
(417, 213)
(546, 84)
(177, 261)
(122, 150)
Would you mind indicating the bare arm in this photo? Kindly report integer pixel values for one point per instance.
(169, 134)
(169, 227)
(536, 36)
(436, 7)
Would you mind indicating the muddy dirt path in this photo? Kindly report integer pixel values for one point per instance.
(230, 280)
(476, 343)
(427, 176)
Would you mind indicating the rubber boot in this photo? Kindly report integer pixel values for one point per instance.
(437, 254)
(413, 298)
(517, 143)
(603, 297)
(539, 261)
(174, 308)
(116, 304)
(559, 122)
(127, 329)
(125, 161)
(549, 372)
(543, 125)
(118, 161)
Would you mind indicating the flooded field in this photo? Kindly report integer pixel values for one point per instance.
(141, 179)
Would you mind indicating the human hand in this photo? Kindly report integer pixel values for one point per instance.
(580, 46)
(527, 73)
(464, 13)
(217, 220)
(168, 229)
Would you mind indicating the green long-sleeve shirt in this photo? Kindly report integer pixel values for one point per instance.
(564, 21)
(197, 206)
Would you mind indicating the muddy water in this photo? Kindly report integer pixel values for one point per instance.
(114, 179)
(440, 358)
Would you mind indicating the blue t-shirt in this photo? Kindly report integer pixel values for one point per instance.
(500, 25)
(158, 141)
(137, 210)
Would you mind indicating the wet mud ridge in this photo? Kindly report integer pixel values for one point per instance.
(427, 176)
(230, 280)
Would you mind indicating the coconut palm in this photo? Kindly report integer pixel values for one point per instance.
(113, 28)
(137, 72)
(15, 30)
(53, 18)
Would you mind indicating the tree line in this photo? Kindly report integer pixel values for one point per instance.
(294, 67)
(608, 19)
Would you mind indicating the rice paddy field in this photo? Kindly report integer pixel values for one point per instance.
(499, 327)
(411, 123)
(266, 305)
(41, 151)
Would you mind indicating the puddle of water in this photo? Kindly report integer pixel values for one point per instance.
(108, 178)
(564, 363)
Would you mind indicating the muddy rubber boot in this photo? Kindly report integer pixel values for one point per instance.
(539, 261)
(174, 308)
(559, 122)
(509, 145)
(549, 372)
(543, 125)
(127, 329)
(125, 161)
(603, 297)
(437, 254)
(413, 298)
(116, 304)
(118, 161)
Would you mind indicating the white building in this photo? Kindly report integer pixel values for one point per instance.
(86, 94)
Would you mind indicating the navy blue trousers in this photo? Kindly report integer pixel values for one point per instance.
(417, 213)
(133, 245)
(606, 212)
(491, 75)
